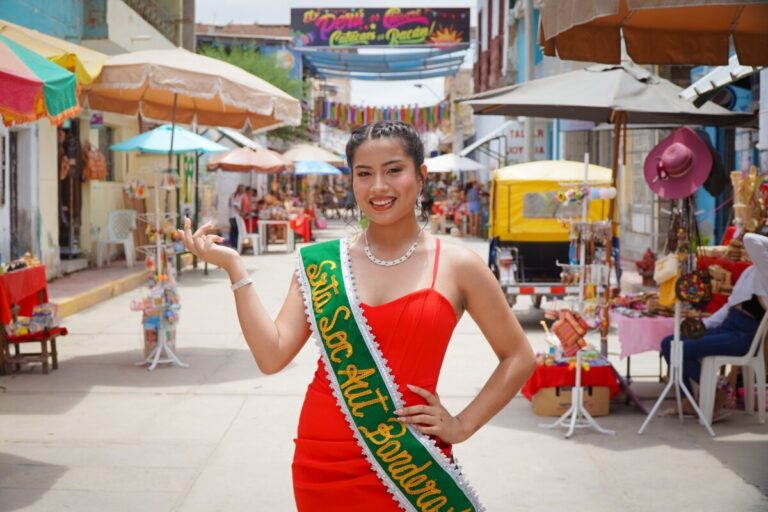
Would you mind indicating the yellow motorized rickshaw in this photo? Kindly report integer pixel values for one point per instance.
(529, 226)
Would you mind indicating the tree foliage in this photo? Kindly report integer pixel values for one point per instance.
(267, 68)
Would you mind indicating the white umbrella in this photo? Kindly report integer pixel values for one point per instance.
(309, 152)
(451, 162)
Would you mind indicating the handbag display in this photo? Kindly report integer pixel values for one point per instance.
(95, 164)
(694, 286)
(692, 328)
(666, 268)
(570, 329)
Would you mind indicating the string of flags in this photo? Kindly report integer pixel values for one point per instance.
(348, 117)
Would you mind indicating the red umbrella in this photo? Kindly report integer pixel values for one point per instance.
(246, 159)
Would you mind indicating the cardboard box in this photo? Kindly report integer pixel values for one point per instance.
(555, 401)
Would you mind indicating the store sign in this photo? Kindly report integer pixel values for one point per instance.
(395, 26)
(516, 143)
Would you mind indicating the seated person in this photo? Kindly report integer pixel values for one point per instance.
(729, 332)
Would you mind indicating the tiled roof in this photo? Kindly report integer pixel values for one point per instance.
(249, 30)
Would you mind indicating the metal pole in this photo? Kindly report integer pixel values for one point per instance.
(528, 121)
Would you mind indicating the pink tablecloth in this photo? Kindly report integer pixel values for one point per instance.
(642, 334)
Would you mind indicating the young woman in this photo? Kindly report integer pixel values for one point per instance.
(373, 434)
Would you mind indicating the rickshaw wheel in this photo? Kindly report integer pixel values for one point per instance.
(537, 301)
(511, 300)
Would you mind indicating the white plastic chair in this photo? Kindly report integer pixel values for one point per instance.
(120, 226)
(242, 234)
(753, 366)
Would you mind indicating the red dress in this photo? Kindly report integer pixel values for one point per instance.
(329, 469)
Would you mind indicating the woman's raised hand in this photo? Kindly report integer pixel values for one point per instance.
(206, 246)
(433, 419)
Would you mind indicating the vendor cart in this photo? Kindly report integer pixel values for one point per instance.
(529, 225)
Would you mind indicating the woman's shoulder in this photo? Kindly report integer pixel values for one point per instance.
(458, 256)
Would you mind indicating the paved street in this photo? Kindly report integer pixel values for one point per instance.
(101, 434)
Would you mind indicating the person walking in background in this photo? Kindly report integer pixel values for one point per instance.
(475, 209)
(245, 206)
(235, 210)
(373, 434)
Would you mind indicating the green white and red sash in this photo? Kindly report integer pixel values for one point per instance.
(411, 466)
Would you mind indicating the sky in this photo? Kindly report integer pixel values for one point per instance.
(373, 93)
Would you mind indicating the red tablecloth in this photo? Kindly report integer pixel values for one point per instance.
(734, 267)
(553, 376)
(25, 287)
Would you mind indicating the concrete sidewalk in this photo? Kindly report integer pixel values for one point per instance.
(100, 434)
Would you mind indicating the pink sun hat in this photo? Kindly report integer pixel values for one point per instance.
(678, 165)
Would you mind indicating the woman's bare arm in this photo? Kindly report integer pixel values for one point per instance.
(485, 302)
(273, 344)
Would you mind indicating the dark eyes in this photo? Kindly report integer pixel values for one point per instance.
(367, 173)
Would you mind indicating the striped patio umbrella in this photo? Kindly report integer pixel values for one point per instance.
(32, 87)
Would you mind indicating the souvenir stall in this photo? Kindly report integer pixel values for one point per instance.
(573, 380)
(160, 302)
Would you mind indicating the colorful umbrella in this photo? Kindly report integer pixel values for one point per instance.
(83, 62)
(246, 159)
(32, 87)
(315, 167)
(161, 139)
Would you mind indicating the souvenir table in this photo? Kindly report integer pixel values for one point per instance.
(289, 234)
(561, 375)
(26, 288)
(642, 334)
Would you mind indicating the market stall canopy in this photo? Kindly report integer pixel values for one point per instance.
(181, 86)
(304, 167)
(309, 152)
(85, 63)
(596, 92)
(159, 141)
(246, 159)
(451, 162)
(32, 87)
(656, 31)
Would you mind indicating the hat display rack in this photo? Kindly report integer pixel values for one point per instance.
(675, 169)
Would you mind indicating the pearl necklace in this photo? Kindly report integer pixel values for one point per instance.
(390, 263)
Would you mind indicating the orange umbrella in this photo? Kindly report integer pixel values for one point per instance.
(246, 159)
(656, 31)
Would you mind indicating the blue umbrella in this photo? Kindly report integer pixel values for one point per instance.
(160, 139)
(303, 167)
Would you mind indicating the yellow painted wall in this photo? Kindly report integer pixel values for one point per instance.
(48, 196)
(101, 197)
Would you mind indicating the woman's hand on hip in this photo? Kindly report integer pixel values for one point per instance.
(206, 246)
(432, 418)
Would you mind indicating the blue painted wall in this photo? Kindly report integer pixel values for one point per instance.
(537, 55)
(59, 18)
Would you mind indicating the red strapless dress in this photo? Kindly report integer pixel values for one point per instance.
(330, 472)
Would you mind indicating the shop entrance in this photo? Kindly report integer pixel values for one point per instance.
(70, 192)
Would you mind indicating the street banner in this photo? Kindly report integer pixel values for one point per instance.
(393, 27)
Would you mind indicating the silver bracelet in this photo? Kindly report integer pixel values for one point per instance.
(243, 282)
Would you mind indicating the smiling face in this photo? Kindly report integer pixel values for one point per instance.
(385, 181)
